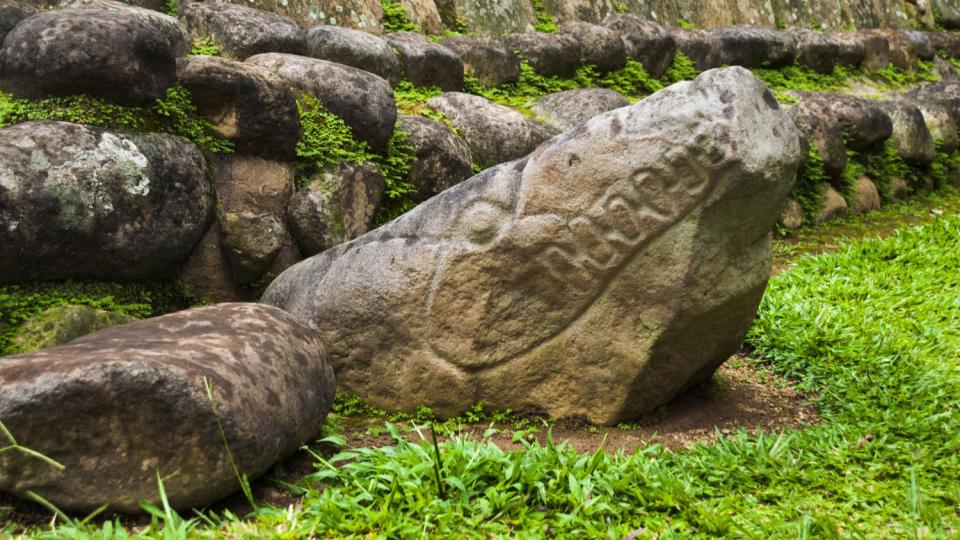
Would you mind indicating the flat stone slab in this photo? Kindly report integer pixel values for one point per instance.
(122, 405)
(617, 265)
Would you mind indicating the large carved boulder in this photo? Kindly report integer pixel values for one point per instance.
(617, 265)
(121, 406)
(82, 202)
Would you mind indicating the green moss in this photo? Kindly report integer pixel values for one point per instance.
(545, 22)
(395, 18)
(175, 114)
(809, 188)
(881, 167)
(686, 25)
(19, 303)
(395, 167)
(803, 79)
(206, 46)
(682, 69)
(172, 7)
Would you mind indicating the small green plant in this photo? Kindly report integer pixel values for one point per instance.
(808, 190)
(14, 446)
(172, 7)
(682, 69)
(242, 479)
(545, 23)
(395, 18)
(206, 46)
(686, 25)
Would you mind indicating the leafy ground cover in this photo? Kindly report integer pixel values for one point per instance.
(871, 330)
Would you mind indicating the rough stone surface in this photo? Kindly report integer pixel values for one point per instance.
(81, 202)
(424, 14)
(207, 275)
(354, 48)
(120, 406)
(366, 15)
(551, 55)
(754, 47)
(113, 55)
(647, 42)
(488, 17)
(922, 46)
(949, 42)
(833, 206)
(61, 324)
(898, 188)
(242, 31)
(249, 183)
(487, 59)
(815, 50)
(567, 110)
(700, 46)
(251, 243)
(910, 135)
(861, 49)
(948, 13)
(600, 46)
(614, 267)
(826, 136)
(866, 198)
(494, 133)
(11, 16)
(862, 121)
(902, 51)
(171, 27)
(591, 11)
(364, 100)
(441, 159)
(337, 205)
(940, 123)
(249, 105)
(425, 63)
(792, 216)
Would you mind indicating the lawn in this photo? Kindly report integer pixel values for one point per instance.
(872, 330)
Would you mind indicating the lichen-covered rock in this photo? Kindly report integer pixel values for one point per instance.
(487, 59)
(338, 204)
(861, 49)
(425, 63)
(815, 50)
(863, 122)
(242, 31)
(171, 27)
(910, 135)
(354, 48)
(922, 45)
(826, 136)
(902, 51)
(940, 123)
(494, 133)
(571, 108)
(488, 17)
(599, 45)
(364, 100)
(700, 46)
(832, 206)
(61, 324)
(366, 15)
(114, 55)
(249, 105)
(550, 55)
(865, 198)
(792, 216)
(946, 94)
(82, 202)
(441, 159)
(617, 265)
(753, 47)
(251, 243)
(646, 42)
(948, 13)
(424, 14)
(122, 406)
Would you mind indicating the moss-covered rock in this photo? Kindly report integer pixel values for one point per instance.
(62, 324)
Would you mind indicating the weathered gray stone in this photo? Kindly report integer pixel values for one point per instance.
(863, 122)
(171, 27)
(424, 14)
(249, 105)
(207, 275)
(253, 184)
(700, 46)
(550, 55)
(948, 13)
(826, 136)
(815, 50)
(11, 16)
(948, 42)
(861, 49)
(425, 63)
(122, 406)
(441, 159)
(910, 135)
(599, 45)
(866, 198)
(337, 205)
(354, 48)
(494, 133)
(364, 100)
(61, 324)
(614, 267)
(940, 123)
(753, 47)
(487, 59)
(792, 217)
(898, 189)
(569, 109)
(922, 46)
(82, 202)
(902, 51)
(242, 31)
(647, 42)
(113, 55)
(590, 11)
(833, 206)
(251, 243)
(488, 17)
(943, 93)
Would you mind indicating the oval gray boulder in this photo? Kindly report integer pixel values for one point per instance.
(354, 48)
(82, 202)
(123, 405)
(568, 109)
(242, 31)
(617, 265)
(114, 55)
